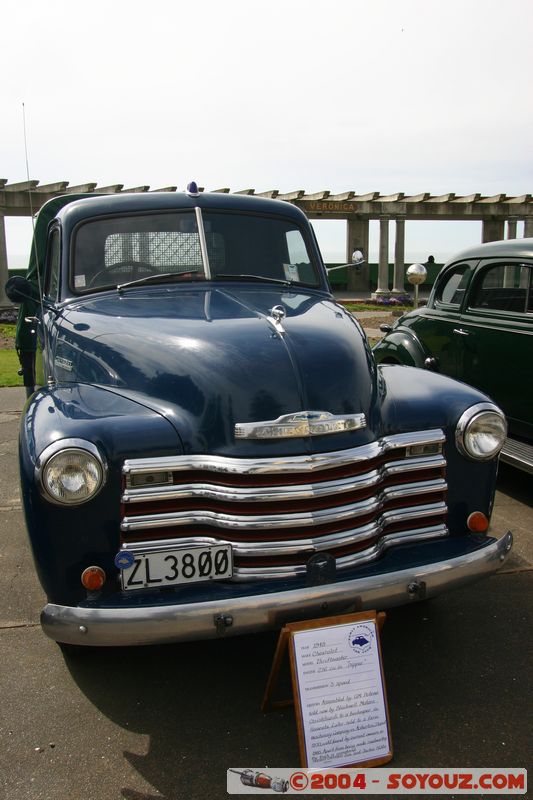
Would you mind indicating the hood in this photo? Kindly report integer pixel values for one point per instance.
(210, 358)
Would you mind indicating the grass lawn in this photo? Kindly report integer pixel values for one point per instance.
(7, 331)
(9, 363)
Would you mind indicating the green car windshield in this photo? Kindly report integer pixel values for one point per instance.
(115, 251)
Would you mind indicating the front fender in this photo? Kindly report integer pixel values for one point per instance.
(400, 346)
(414, 399)
(65, 540)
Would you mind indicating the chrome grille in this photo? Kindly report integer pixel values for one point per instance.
(277, 512)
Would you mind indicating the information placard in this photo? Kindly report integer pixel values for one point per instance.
(339, 690)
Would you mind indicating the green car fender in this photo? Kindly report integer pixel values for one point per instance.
(400, 346)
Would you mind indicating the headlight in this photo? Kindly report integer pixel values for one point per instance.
(481, 432)
(70, 471)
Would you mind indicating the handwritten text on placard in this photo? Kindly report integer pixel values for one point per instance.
(341, 694)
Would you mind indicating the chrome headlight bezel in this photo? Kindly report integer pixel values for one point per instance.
(86, 450)
(474, 416)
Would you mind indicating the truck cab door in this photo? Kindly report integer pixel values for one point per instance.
(46, 321)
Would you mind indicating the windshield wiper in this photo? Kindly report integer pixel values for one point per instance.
(162, 276)
(262, 278)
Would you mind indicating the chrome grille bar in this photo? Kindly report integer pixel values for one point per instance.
(344, 562)
(293, 520)
(257, 494)
(281, 465)
(282, 547)
(266, 494)
(382, 494)
(242, 522)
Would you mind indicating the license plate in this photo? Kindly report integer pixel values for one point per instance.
(173, 567)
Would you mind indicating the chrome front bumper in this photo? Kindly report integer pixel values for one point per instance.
(162, 624)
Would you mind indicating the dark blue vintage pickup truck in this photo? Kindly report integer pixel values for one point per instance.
(210, 447)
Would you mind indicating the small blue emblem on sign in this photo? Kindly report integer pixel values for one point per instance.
(124, 559)
(361, 639)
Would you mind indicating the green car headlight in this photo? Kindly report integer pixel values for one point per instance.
(481, 432)
(70, 472)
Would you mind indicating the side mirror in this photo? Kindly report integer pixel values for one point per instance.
(384, 328)
(357, 261)
(19, 289)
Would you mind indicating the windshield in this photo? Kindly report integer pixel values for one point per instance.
(114, 251)
(258, 246)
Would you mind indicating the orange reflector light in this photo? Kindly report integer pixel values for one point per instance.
(477, 522)
(93, 578)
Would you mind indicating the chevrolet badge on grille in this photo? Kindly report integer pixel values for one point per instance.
(302, 423)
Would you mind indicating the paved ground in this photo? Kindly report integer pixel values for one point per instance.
(166, 722)
(371, 320)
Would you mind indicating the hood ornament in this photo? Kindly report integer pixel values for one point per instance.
(302, 423)
(276, 317)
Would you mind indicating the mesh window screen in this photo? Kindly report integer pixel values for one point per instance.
(164, 250)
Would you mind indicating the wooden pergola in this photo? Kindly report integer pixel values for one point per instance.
(498, 214)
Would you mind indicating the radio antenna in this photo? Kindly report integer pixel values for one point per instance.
(34, 240)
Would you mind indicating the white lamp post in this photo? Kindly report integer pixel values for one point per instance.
(416, 274)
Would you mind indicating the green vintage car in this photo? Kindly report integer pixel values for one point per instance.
(478, 327)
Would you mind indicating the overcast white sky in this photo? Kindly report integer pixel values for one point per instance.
(381, 95)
